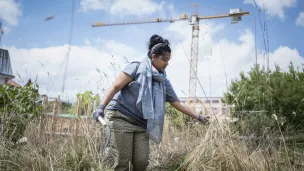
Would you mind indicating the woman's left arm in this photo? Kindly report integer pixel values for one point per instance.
(185, 109)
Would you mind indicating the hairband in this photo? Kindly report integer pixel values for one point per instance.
(158, 44)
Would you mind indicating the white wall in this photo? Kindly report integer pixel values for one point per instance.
(2, 80)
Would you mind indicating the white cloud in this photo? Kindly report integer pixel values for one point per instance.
(135, 7)
(274, 7)
(284, 55)
(227, 56)
(230, 57)
(300, 19)
(87, 42)
(10, 11)
(92, 5)
(6, 29)
(84, 63)
(125, 7)
(122, 50)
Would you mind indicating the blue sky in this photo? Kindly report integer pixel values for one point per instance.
(30, 39)
(33, 31)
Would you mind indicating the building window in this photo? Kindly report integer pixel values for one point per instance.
(5, 66)
(207, 101)
(1, 58)
(215, 101)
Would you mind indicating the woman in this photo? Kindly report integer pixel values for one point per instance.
(136, 106)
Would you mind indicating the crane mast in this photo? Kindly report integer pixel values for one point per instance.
(194, 21)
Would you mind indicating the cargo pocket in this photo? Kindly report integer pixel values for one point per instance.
(108, 115)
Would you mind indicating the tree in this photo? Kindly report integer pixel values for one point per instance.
(85, 99)
(17, 109)
(271, 95)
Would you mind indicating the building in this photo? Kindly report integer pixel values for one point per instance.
(208, 105)
(13, 83)
(6, 72)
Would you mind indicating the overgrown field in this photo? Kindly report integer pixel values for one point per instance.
(192, 147)
(267, 133)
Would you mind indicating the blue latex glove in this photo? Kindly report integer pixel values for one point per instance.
(99, 112)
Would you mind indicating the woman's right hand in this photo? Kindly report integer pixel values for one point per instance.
(98, 112)
(203, 119)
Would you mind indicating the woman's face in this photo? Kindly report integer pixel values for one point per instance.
(161, 62)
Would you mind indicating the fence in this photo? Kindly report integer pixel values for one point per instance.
(55, 123)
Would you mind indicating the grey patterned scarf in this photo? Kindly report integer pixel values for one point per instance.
(151, 98)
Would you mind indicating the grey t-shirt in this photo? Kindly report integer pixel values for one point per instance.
(125, 100)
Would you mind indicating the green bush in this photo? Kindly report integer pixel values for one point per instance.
(176, 118)
(277, 95)
(85, 100)
(17, 109)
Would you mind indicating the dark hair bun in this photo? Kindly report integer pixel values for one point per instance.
(160, 49)
(155, 39)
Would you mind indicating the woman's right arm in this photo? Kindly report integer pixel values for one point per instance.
(122, 80)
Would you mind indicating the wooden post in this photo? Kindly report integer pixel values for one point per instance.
(54, 118)
(89, 108)
(79, 109)
(42, 116)
(59, 112)
(94, 104)
(89, 115)
(59, 104)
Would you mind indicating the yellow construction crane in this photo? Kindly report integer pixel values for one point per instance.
(235, 14)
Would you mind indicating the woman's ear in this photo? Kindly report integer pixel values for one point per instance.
(153, 57)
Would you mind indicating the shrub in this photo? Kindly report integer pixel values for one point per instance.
(273, 95)
(17, 109)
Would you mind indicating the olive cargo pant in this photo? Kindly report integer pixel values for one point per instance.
(129, 144)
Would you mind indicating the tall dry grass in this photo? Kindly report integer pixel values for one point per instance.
(45, 152)
(192, 147)
(220, 148)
